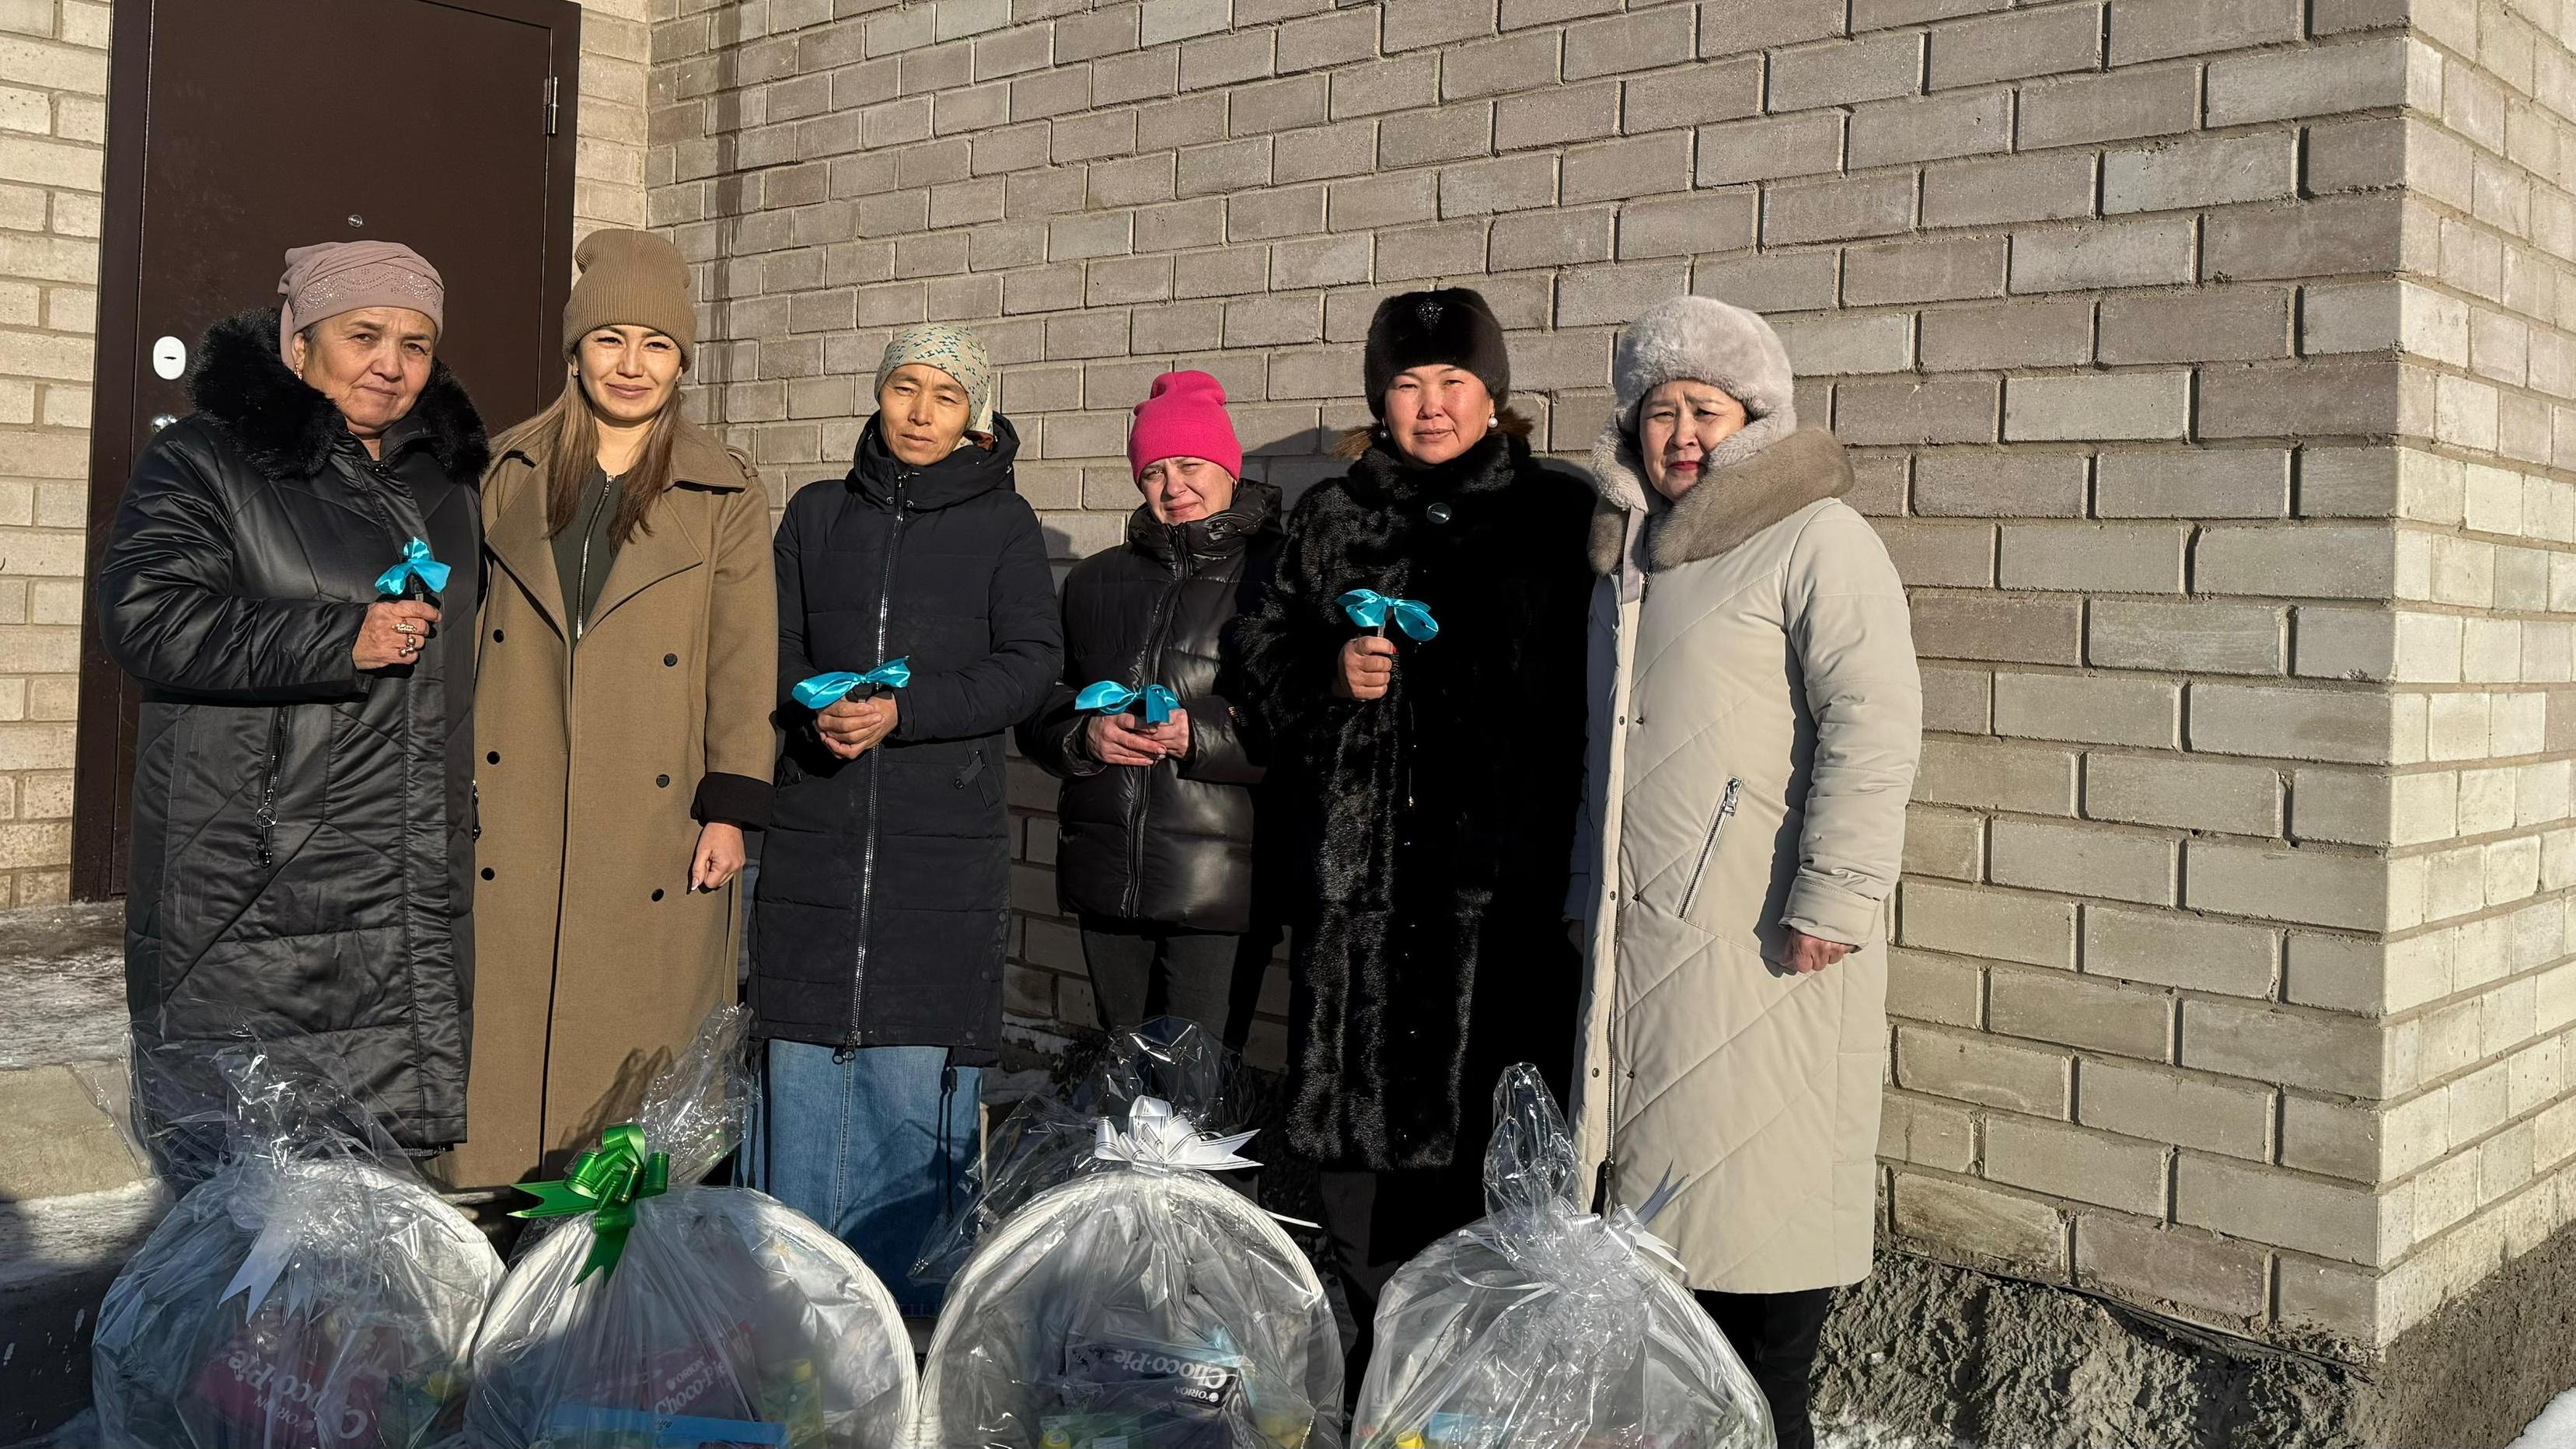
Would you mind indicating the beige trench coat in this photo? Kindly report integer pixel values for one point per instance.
(1757, 717)
(596, 962)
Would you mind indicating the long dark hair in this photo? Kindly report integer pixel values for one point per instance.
(563, 441)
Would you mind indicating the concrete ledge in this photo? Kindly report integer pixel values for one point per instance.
(1930, 1353)
(60, 1133)
(75, 1199)
(57, 1257)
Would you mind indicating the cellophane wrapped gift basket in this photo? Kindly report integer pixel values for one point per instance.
(1117, 1295)
(1542, 1326)
(310, 1290)
(653, 1310)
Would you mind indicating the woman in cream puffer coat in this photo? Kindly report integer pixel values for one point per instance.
(1756, 718)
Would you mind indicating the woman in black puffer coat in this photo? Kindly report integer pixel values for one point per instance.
(884, 892)
(1156, 819)
(303, 818)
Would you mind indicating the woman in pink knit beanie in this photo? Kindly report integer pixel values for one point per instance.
(1158, 769)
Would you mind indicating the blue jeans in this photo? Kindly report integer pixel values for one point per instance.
(874, 1143)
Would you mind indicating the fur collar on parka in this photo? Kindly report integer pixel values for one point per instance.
(1720, 511)
(288, 430)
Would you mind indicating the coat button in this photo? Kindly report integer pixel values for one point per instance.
(662, 781)
(492, 757)
(496, 636)
(487, 872)
(670, 661)
(657, 895)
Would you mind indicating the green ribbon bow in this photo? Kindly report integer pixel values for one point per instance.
(607, 1181)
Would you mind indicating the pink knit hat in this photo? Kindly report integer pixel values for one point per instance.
(1183, 416)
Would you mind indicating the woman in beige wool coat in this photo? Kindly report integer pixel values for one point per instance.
(1756, 718)
(629, 645)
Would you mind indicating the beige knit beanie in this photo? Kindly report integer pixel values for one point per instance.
(634, 278)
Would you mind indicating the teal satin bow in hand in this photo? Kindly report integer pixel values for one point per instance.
(1370, 610)
(416, 564)
(825, 690)
(1111, 697)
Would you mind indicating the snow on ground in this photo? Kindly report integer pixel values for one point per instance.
(2554, 1429)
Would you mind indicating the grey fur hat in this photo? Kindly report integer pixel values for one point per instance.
(1705, 340)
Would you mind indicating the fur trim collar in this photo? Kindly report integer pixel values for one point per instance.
(288, 430)
(1381, 475)
(1725, 508)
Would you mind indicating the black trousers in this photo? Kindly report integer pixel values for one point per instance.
(1144, 969)
(1377, 1222)
(1775, 1334)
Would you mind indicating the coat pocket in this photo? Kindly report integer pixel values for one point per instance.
(972, 775)
(1708, 844)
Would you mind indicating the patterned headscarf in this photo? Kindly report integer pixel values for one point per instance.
(330, 278)
(955, 351)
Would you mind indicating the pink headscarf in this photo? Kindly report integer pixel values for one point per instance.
(336, 277)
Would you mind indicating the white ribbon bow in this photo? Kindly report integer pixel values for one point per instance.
(1157, 1136)
(265, 1261)
(1630, 1224)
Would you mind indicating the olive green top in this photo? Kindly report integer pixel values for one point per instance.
(591, 521)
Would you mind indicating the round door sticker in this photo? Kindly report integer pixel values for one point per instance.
(169, 358)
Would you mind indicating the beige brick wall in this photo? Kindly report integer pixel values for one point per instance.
(2232, 964)
(53, 88)
(2472, 1143)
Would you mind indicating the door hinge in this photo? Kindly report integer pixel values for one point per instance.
(554, 107)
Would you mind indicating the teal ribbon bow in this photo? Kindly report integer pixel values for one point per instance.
(825, 690)
(416, 564)
(1111, 697)
(606, 1181)
(1370, 610)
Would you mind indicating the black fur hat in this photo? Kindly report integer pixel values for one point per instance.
(1449, 325)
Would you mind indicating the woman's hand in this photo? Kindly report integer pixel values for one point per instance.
(719, 857)
(852, 727)
(1367, 668)
(1810, 954)
(1172, 736)
(1115, 740)
(393, 633)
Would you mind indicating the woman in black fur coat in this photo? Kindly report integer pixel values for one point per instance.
(1436, 781)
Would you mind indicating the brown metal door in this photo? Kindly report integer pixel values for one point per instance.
(239, 128)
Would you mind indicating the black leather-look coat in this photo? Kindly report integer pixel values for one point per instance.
(1171, 842)
(303, 833)
(885, 882)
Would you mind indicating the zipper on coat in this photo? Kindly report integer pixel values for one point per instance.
(268, 786)
(876, 766)
(581, 574)
(1149, 666)
(1708, 847)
